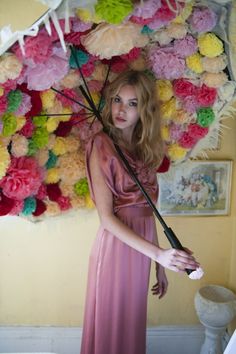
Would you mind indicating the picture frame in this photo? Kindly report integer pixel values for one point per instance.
(195, 188)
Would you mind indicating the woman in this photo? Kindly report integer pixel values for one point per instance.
(116, 305)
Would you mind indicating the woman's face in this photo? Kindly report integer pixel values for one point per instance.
(124, 111)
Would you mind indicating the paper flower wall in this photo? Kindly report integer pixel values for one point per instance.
(43, 130)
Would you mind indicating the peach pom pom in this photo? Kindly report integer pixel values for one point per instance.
(214, 80)
(214, 65)
(108, 40)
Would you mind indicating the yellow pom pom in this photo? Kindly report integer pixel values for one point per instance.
(52, 124)
(176, 152)
(1, 91)
(164, 90)
(52, 175)
(165, 132)
(4, 160)
(194, 63)
(47, 98)
(210, 45)
(20, 122)
(168, 108)
(86, 16)
(66, 118)
(59, 147)
(88, 202)
(185, 13)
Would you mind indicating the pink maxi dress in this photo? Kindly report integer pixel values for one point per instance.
(118, 279)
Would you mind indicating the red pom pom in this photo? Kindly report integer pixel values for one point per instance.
(40, 208)
(6, 204)
(64, 128)
(164, 166)
(53, 191)
(35, 101)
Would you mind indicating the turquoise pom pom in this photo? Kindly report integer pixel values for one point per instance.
(29, 206)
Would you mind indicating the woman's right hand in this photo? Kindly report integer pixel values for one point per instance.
(176, 260)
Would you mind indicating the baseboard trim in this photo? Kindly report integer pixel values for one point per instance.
(67, 340)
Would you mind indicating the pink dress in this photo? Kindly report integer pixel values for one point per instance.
(118, 280)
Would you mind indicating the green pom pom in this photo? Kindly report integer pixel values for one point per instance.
(82, 58)
(205, 116)
(32, 148)
(52, 160)
(14, 99)
(9, 124)
(146, 30)
(40, 137)
(29, 206)
(81, 187)
(113, 11)
(39, 121)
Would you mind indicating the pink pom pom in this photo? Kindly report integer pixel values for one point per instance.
(203, 19)
(186, 46)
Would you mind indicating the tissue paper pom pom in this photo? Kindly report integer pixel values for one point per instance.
(25, 105)
(42, 156)
(52, 160)
(194, 63)
(6, 204)
(53, 191)
(9, 124)
(35, 101)
(187, 141)
(203, 19)
(38, 48)
(166, 64)
(32, 148)
(186, 46)
(52, 124)
(52, 175)
(165, 133)
(210, 45)
(64, 129)
(59, 147)
(48, 98)
(78, 56)
(29, 206)
(184, 13)
(72, 167)
(20, 122)
(108, 40)
(3, 104)
(88, 16)
(51, 141)
(66, 101)
(176, 152)
(10, 67)
(78, 202)
(146, 9)
(190, 103)
(176, 131)
(4, 160)
(183, 88)
(72, 143)
(14, 99)
(67, 189)
(197, 131)
(81, 187)
(42, 192)
(17, 207)
(64, 203)
(180, 116)
(52, 208)
(214, 65)
(44, 75)
(176, 30)
(113, 11)
(164, 90)
(226, 92)
(40, 208)
(40, 137)
(214, 80)
(205, 116)
(71, 80)
(19, 145)
(23, 178)
(80, 26)
(168, 108)
(89, 202)
(9, 85)
(27, 129)
(39, 121)
(206, 96)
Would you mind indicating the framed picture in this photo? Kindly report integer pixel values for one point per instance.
(196, 188)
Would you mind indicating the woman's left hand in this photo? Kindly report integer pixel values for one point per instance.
(160, 288)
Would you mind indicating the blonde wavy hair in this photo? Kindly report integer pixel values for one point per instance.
(146, 139)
